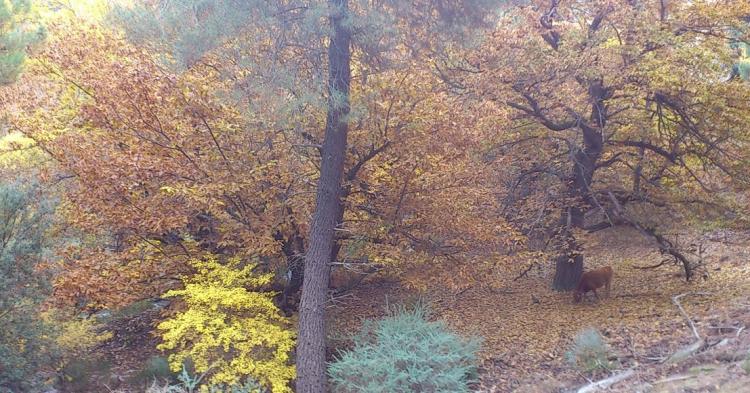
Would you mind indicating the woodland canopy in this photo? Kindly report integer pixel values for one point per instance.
(254, 161)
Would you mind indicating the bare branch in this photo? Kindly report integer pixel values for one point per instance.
(671, 156)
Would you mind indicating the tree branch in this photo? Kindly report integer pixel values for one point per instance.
(535, 111)
(671, 156)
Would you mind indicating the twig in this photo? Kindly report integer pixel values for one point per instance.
(673, 379)
(606, 383)
(699, 343)
(336, 300)
(726, 328)
(526, 271)
(676, 301)
(462, 291)
(585, 377)
(662, 263)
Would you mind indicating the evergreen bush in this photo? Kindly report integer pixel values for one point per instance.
(589, 352)
(26, 344)
(405, 352)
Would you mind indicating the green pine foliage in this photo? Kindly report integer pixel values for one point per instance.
(154, 370)
(17, 32)
(187, 29)
(190, 383)
(743, 68)
(36, 345)
(589, 352)
(743, 64)
(406, 352)
(24, 338)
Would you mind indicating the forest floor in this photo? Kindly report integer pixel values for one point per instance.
(526, 327)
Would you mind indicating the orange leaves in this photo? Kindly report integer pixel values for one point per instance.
(93, 278)
(219, 159)
(156, 157)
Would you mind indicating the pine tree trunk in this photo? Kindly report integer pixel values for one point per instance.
(311, 354)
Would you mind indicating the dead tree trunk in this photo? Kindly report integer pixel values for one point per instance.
(311, 353)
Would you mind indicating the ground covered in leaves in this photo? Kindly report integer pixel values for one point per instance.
(526, 327)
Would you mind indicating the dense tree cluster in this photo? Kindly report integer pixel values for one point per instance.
(441, 142)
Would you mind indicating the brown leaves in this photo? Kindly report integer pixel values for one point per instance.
(150, 151)
(159, 157)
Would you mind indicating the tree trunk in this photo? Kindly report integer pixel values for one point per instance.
(568, 271)
(311, 350)
(569, 263)
(293, 249)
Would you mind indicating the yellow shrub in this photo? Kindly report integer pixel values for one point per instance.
(229, 330)
(78, 335)
(74, 336)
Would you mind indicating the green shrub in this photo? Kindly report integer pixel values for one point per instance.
(406, 353)
(26, 345)
(589, 352)
(36, 342)
(189, 383)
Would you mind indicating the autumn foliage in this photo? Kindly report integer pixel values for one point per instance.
(228, 328)
(164, 168)
(485, 141)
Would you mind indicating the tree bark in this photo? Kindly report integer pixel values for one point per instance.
(311, 353)
(569, 263)
(293, 248)
(568, 271)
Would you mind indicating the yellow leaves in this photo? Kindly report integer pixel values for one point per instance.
(88, 11)
(81, 334)
(18, 152)
(611, 42)
(167, 190)
(223, 315)
(73, 335)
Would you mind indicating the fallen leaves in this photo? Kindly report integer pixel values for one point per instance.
(525, 340)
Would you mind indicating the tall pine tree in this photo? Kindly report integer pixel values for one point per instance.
(17, 32)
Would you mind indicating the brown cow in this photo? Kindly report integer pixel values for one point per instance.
(592, 280)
